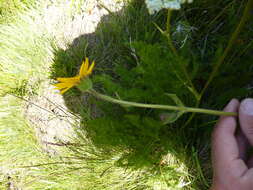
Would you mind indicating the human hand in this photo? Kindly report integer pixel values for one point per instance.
(233, 169)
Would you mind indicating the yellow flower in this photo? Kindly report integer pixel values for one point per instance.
(67, 83)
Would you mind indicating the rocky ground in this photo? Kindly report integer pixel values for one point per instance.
(47, 112)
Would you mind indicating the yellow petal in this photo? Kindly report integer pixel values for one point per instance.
(91, 68)
(69, 80)
(64, 90)
(60, 86)
(84, 68)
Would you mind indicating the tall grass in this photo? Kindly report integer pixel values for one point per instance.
(26, 42)
(18, 144)
(24, 52)
(8, 8)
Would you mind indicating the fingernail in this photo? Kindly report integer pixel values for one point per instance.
(246, 106)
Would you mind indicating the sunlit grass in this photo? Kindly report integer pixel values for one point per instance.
(24, 51)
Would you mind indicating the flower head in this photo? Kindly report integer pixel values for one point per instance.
(67, 83)
(156, 5)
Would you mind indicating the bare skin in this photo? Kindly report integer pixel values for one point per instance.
(233, 168)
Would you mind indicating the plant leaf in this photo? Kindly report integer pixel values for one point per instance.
(171, 117)
(177, 101)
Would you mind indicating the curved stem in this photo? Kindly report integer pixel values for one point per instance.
(157, 106)
(172, 47)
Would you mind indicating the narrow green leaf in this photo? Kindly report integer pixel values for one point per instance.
(177, 101)
(158, 27)
(170, 117)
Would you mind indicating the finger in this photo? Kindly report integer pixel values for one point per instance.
(246, 118)
(243, 145)
(224, 145)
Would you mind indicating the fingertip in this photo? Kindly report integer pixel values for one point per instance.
(232, 106)
(234, 100)
(226, 125)
(246, 106)
(246, 118)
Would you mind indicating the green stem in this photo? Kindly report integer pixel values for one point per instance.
(246, 15)
(172, 47)
(157, 106)
(168, 26)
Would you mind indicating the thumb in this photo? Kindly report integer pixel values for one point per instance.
(246, 118)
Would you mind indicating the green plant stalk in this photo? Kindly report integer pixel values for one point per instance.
(168, 27)
(172, 47)
(246, 15)
(157, 106)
